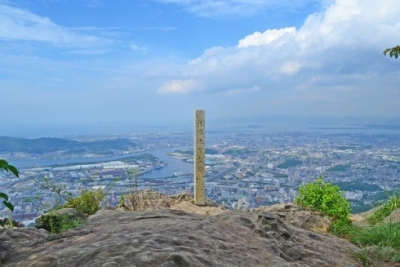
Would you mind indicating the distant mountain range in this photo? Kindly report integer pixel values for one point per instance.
(49, 145)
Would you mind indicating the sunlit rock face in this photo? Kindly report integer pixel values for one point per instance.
(174, 237)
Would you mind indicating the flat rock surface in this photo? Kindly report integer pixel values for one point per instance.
(171, 237)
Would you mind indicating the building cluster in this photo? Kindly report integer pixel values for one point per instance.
(245, 170)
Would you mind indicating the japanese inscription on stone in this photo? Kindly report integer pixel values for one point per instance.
(199, 151)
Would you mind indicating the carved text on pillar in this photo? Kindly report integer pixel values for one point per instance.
(199, 151)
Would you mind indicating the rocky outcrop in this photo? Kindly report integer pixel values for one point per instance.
(300, 217)
(171, 237)
(17, 239)
(152, 200)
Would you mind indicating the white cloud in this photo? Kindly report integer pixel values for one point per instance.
(178, 86)
(290, 67)
(257, 38)
(21, 25)
(242, 90)
(139, 48)
(338, 48)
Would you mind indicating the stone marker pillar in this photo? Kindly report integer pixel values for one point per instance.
(199, 151)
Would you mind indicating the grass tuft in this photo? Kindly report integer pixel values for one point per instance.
(385, 210)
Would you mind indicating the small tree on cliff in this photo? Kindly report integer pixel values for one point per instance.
(328, 199)
(393, 52)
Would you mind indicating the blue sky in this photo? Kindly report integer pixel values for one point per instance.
(156, 61)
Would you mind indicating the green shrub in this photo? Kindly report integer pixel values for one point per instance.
(56, 223)
(88, 202)
(327, 199)
(385, 210)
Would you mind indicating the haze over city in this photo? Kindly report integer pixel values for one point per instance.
(97, 62)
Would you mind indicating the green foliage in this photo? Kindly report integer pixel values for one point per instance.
(289, 163)
(6, 202)
(88, 202)
(121, 200)
(56, 223)
(379, 243)
(385, 209)
(386, 235)
(7, 167)
(327, 199)
(4, 166)
(393, 52)
(363, 256)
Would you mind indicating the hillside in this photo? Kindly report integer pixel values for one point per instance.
(52, 145)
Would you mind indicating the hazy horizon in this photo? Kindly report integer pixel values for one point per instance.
(152, 63)
(279, 123)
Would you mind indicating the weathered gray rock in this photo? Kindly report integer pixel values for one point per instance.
(300, 217)
(17, 239)
(175, 238)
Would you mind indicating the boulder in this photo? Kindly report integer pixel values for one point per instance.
(169, 237)
(17, 239)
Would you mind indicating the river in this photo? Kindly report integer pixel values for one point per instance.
(174, 165)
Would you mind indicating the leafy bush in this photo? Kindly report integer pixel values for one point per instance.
(88, 202)
(327, 199)
(56, 223)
